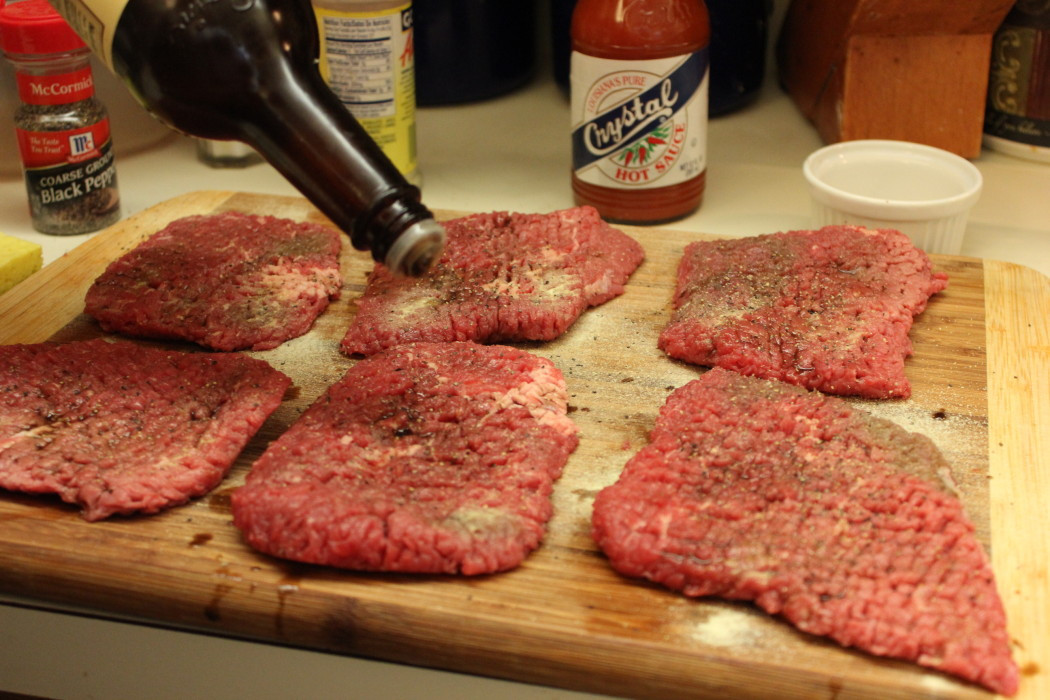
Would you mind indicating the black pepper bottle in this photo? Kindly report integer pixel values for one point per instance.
(62, 128)
(246, 70)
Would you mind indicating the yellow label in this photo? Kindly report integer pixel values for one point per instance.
(368, 60)
(95, 21)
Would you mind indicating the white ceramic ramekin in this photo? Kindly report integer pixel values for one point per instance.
(923, 191)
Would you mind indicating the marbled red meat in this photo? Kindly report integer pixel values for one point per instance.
(123, 428)
(836, 520)
(503, 277)
(227, 281)
(428, 457)
(828, 309)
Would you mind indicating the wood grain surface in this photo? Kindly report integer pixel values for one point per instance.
(564, 618)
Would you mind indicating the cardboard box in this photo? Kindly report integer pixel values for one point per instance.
(915, 70)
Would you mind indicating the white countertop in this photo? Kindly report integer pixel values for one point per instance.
(513, 153)
(507, 153)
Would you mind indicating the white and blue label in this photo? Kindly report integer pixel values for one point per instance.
(639, 124)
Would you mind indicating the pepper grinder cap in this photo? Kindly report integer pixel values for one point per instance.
(33, 27)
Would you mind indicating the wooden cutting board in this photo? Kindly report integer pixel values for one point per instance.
(564, 618)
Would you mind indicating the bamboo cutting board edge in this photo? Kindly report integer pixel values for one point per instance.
(1016, 339)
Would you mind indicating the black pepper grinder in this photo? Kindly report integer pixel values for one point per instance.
(62, 128)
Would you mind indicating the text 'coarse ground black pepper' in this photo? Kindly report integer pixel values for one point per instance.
(62, 128)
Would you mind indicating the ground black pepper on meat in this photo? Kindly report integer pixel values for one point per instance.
(812, 308)
(839, 522)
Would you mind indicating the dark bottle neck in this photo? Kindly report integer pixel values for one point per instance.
(310, 137)
(247, 70)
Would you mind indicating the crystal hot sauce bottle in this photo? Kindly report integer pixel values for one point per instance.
(246, 70)
(639, 91)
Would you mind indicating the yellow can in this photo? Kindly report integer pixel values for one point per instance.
(368, 59)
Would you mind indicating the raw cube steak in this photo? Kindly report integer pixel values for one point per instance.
(503, 277)
(227, 281)
(828, 309)
(120, 428)
(839, 521)
(428, 457)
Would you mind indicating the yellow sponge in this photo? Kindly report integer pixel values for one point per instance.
(18, 260)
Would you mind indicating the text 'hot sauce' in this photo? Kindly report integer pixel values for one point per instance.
(639, 92)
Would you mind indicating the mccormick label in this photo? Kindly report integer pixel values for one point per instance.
(70, 177)
(55, 89)
(639, 124)
(42, 149)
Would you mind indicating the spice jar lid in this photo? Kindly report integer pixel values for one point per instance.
(33, 27)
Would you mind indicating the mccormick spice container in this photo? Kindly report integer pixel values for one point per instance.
(639, 91)
(62, 128)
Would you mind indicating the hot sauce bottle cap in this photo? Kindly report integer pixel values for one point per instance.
(33, 27)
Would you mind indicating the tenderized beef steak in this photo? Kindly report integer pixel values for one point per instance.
(428, 457)
(757, 490)
(828, 309)
(227, 281)
(123, 428)
(503, 277)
